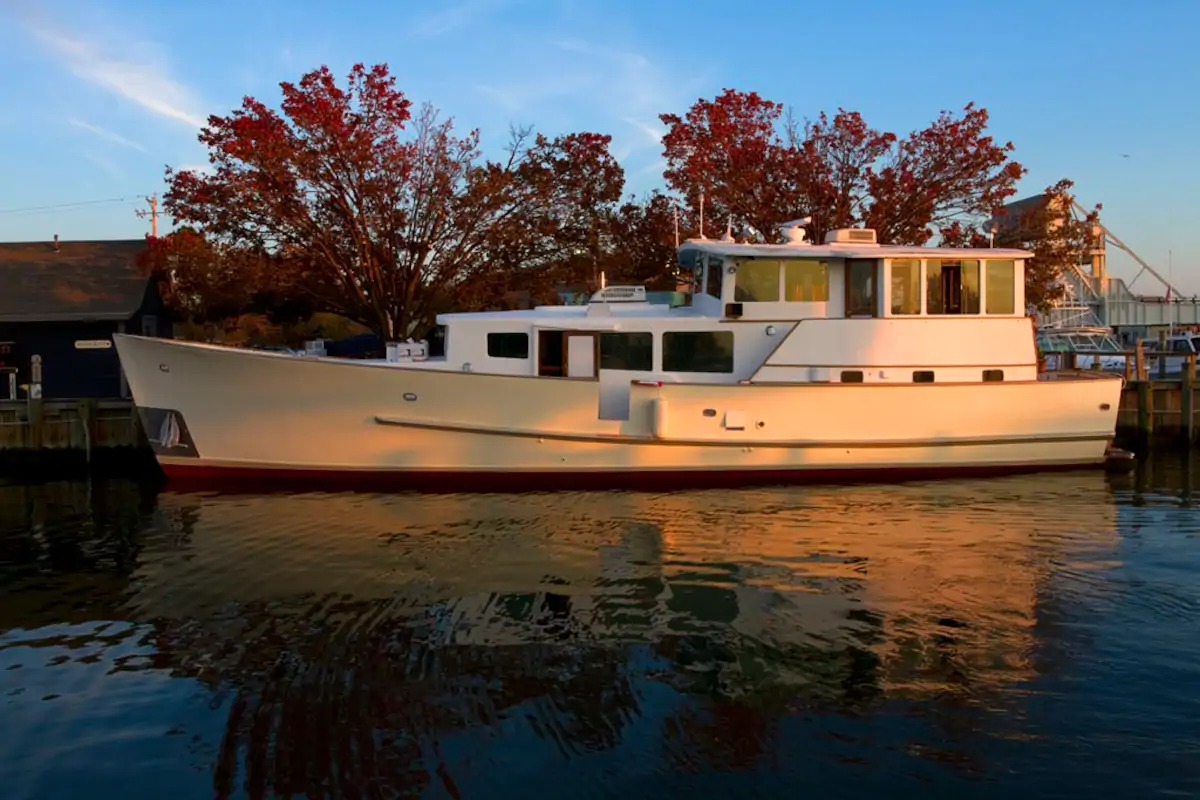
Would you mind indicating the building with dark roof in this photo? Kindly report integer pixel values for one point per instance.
(63, 301)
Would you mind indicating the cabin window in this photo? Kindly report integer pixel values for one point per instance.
(906, 286)
(923, 376)
(993, 375)
(628, 351)
(698, 351)
(852, 376)
(756, 282)
(508, 345)
(951, 286)
(1001, 287)
(149, 325)
(712, 277)
(806, 281)
(861, 288)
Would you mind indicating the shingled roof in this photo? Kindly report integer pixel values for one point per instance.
(77, 281)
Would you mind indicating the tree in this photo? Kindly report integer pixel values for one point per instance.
(640, 240)
(763, 170)
(1058, 239)
(382, 217)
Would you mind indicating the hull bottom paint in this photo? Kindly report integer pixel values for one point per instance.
(231, 478)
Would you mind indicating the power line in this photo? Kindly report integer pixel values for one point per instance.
(59, 206)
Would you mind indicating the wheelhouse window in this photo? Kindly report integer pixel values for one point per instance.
(906, 286)
(1001, 287)
(756, 281)
(861, 288)
(951, 286)
(712, 276)
(805, 280)
(627, 351)
(508, 345)
(698, 351)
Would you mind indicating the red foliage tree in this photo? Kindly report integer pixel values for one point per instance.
(763, 171)
(1060, 236)
(383, 217)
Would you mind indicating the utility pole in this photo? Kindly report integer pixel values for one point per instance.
(152, 214)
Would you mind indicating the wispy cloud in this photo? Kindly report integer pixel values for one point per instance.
(452, 18)
(108, 135)
(135, 71)
(104, 164)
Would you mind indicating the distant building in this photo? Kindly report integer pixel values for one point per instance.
(63, 301)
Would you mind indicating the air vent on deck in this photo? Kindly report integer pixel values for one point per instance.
(851, 236)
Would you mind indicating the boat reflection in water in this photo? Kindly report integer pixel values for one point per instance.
(350, 642)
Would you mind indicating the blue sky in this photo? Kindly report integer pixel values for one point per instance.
(107, 92)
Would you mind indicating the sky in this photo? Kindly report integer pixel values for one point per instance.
(99, 96)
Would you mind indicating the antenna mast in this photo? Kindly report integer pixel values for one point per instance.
(701, 213)
(676, 207)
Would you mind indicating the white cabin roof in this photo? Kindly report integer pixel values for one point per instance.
(739, 250)
(602, 315)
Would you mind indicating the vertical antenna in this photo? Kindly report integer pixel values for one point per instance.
(676, 207)
(701, 213)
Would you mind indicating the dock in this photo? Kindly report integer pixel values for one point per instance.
(68, 436)
(1158, 402)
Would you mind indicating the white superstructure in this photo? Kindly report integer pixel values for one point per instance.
(794, 358)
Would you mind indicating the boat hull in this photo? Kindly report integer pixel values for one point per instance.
(224, 414)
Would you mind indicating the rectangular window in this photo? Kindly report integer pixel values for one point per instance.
(1001, 287)
(906, 286)
(805, 281)
(149, 325)
(756, 282)
(628, 351)
(852, 376)
(508, 345)
(698, 351)
(951, 286)
(993, 375)
(712, 276)
(923, 376)
(861, 288)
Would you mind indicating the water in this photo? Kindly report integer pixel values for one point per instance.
(1034, 636)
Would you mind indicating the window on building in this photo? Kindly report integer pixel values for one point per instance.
(712, 277)
(906, 286)
(629, 351)
(951, 286)
(805, 281)
(508, 345)
(861, 288)
(756, 281)
(1001, 287)
(698, 351)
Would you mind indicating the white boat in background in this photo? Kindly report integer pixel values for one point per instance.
(797, 360)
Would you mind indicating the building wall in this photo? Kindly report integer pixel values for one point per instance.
(69, 372)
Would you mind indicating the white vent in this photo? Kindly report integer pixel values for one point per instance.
(851, 236)
(620, 294)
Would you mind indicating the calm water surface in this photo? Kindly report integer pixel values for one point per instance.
(1035, 636)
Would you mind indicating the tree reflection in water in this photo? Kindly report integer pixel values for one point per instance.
(353, 641)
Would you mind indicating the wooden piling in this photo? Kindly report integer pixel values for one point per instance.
(1187, 400)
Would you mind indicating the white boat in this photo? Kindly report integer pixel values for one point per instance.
(847, 359)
